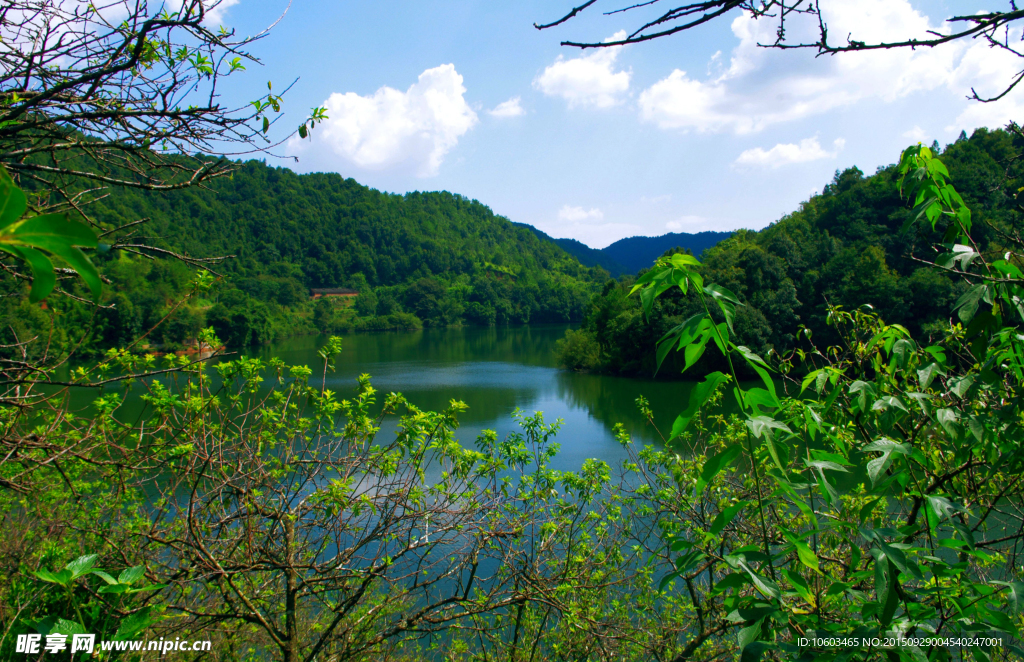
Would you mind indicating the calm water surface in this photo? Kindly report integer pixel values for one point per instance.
(495, 371)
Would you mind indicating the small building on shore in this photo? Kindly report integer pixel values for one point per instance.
(343, 292)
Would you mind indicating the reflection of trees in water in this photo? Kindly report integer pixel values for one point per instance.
(486, 405)
(612, 400)
(608, 399)
(524, 344)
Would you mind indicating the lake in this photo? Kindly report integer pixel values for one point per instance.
(494, 371)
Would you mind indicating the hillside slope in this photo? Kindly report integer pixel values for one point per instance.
(589, 257)
(843, 247)
(419, 258)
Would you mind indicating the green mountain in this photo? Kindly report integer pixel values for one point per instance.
(589, 257)
(843, 247)
(636, 253)
(415, 259)
(632, 254)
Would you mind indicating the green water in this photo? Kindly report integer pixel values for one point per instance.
(494, 371)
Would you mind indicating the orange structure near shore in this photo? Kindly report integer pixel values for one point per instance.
(333, 292)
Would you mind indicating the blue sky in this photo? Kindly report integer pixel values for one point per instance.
(701, 131)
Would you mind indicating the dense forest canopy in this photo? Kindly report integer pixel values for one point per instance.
(419, 258)
(843, 247)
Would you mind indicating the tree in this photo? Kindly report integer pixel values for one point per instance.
(112, 94)
(831, 538)
(116, 93)
(120, 93)
(992, 26)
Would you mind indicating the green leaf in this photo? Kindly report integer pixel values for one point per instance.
(876, 467)
(886, 580)
(947, 418)
(696, 326)
(759, 397)
(803, 551)
(902, 350)
(13, 202)
(800, 585)
(759, 366)
(77, 260)
(43, 277)
(57, 235)
(682, 261)
(667, 579)
(960, 385)
(732, 580)
(698, 396)
(726, 516)
(131, 575)
(827, 490)
(693, 352)
(967, 305)
(105, 577)
(1015, 594)
(866, 509)
(715, 464)
(67, 628)
(888, 402)
(751, 648)
(977, 427)
(116, 589)
(766, 586)
(817, 376)
(762, 425)
(923, 401)
(665, 346)
(134, 624)
(53, 232)
(82, 565)
(50, 577)
(862, 392)
(751, 613)
(821, 465)
(726, 301)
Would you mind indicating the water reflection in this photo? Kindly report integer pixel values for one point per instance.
(495, 371)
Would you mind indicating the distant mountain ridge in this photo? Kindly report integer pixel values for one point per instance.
(630, 255)
(588, 257)
(636, 253)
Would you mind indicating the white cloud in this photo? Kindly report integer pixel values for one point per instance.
(685, 223)
(510, 108)
(783, 154)
(576, 214)
(588, 80)
(392, 129)
(993, 115)
(215, 11)
(761, 87)
(917, 134)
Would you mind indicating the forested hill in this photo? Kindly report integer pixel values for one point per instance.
(843, 247)
(629, 255)
(636, 253)
(590, 257)
(419, 258)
